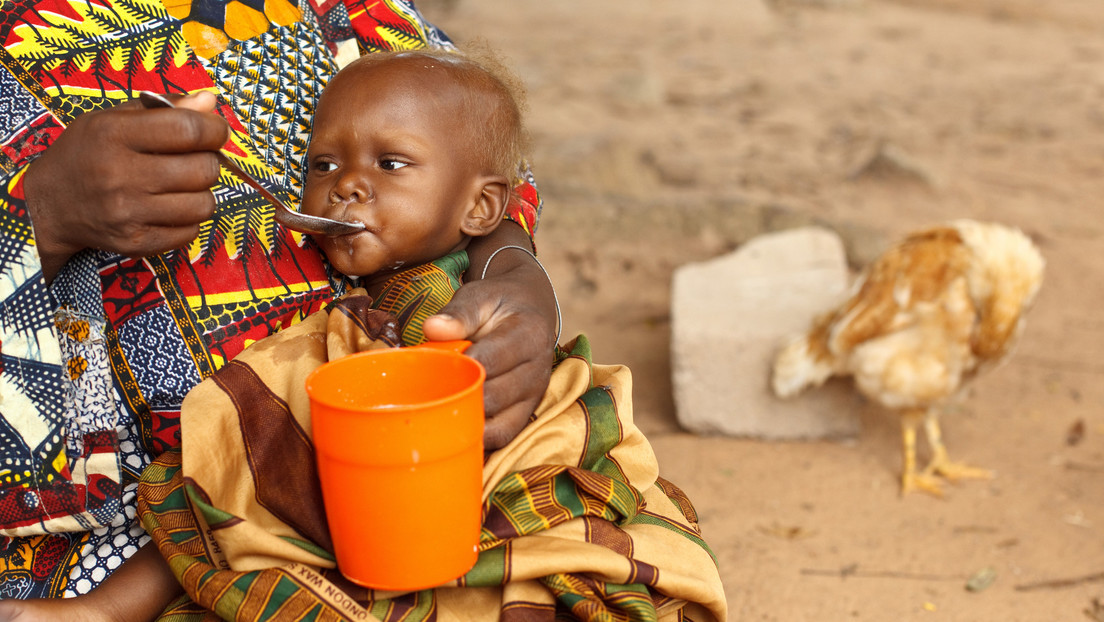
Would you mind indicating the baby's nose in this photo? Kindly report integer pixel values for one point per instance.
(354, 189)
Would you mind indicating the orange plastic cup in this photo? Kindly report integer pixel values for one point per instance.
(398, 436)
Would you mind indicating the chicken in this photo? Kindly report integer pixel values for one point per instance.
(921, 321)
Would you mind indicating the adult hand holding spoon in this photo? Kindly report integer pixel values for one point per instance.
(296, 221)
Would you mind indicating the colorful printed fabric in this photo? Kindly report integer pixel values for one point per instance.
(94, 367)
(576, 520)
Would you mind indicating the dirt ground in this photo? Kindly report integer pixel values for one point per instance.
(668, 133)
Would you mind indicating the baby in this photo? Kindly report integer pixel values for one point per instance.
(423, 147)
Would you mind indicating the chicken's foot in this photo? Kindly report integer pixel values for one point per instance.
(940, 463)
(940, 466)
(910, 479)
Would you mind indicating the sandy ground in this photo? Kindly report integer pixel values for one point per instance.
(671, 132)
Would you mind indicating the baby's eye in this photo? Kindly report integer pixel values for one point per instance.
(322, 166)
(388, 164)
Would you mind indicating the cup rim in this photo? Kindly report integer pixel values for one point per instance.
(481, 377)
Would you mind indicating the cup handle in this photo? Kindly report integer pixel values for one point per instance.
(458, 345)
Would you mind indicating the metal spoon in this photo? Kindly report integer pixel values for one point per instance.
(296, 221)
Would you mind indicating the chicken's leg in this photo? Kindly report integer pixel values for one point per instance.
(910, 479)
(940, 463)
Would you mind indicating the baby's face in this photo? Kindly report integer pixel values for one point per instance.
(389, 149)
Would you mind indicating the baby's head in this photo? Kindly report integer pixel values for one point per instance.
(423, 147)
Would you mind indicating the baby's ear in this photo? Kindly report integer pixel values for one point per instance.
(490, 195)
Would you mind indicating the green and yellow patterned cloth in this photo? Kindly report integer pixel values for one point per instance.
(577, 523)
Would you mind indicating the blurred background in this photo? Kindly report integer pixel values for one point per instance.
(668, 133)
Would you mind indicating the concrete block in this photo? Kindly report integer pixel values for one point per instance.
(729, 317)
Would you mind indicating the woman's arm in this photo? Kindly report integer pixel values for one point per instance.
(137, 591)
(511, 317)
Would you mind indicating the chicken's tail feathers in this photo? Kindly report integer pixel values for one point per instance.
(800, 364)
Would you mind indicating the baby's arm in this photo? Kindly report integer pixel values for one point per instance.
(138, 591)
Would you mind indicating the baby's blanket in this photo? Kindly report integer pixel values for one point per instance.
(575, 516)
